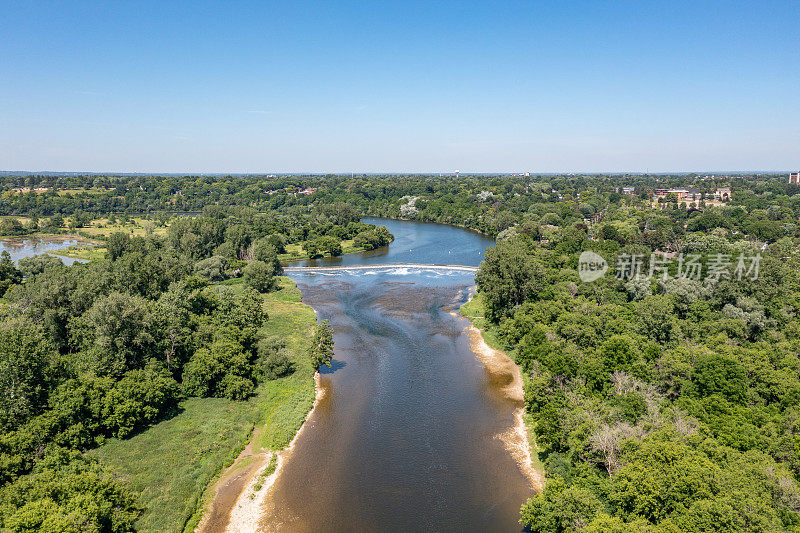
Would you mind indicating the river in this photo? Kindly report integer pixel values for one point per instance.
(407, 436)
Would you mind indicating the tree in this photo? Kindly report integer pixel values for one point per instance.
(311, 247)
(9, 275)
(267, 253)
(70, 493)
(25, 365)
(663, 477)
(330, 244)
(117, 244)
(36, 264)
(278, 242)
(322, 345)
(212, 269)
(258, 275)
(222, 369)
(559, 508)
(509, 275)
(139, 398)
(120, 330)
(273, 360)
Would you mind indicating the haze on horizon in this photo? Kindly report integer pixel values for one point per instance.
(400, 87)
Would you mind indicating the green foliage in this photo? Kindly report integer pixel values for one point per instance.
(372, 239)
(26, 369)
(67, 493)
(36, 264)
(221, 369)
(259, 276)
(509, 276)
(322, 345)
(138, 399)
(117, 335)
(117, 244)
(9, 275)
(273, 359)
(212, 269)
(171, 478)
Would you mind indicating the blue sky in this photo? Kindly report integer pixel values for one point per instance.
(400, 86)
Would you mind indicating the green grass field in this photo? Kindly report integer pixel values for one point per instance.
(88, 252)
(136, 226)
(172, 464)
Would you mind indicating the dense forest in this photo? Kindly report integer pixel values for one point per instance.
(103, 349)
(662, 400)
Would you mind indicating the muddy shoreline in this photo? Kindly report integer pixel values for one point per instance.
(240, 492)
(504, 369)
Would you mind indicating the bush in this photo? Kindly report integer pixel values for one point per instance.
(139, 398)
(258, 275)
(69, 493)
(322, 345)
(219, 370)
(30, 266)
(211, 269)
(273, 360)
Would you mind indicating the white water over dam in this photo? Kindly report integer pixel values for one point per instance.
(395, 268)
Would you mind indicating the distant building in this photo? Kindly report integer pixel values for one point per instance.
(683, 195)
(723, 193)
(628, 191)
(794, 177)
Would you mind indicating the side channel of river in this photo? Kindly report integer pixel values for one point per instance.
(28, 246)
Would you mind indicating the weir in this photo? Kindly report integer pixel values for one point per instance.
(383, 266)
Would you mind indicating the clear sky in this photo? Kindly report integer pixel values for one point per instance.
(557, 86)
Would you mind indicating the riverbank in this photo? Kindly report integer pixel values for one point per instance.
(519, 439)
(459, 226)
(178, 466)
(239, 495)
(294, 252)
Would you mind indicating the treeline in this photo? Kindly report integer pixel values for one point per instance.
(661, 402)
(767, 204)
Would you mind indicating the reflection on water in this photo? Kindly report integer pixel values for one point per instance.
(406, 437)
(19, 247)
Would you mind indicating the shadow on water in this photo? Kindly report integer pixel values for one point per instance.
(335, 365)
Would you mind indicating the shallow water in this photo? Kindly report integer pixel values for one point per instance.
(406, 437)
(20, 247)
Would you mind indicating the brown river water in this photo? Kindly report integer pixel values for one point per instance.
(408, 433)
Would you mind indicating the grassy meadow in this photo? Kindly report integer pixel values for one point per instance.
(173, 463)
(138, 226)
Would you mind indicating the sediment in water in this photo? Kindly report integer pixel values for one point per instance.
(509, 375)
(237, 506)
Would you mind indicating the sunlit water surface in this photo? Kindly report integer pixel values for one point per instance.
(406, 437)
